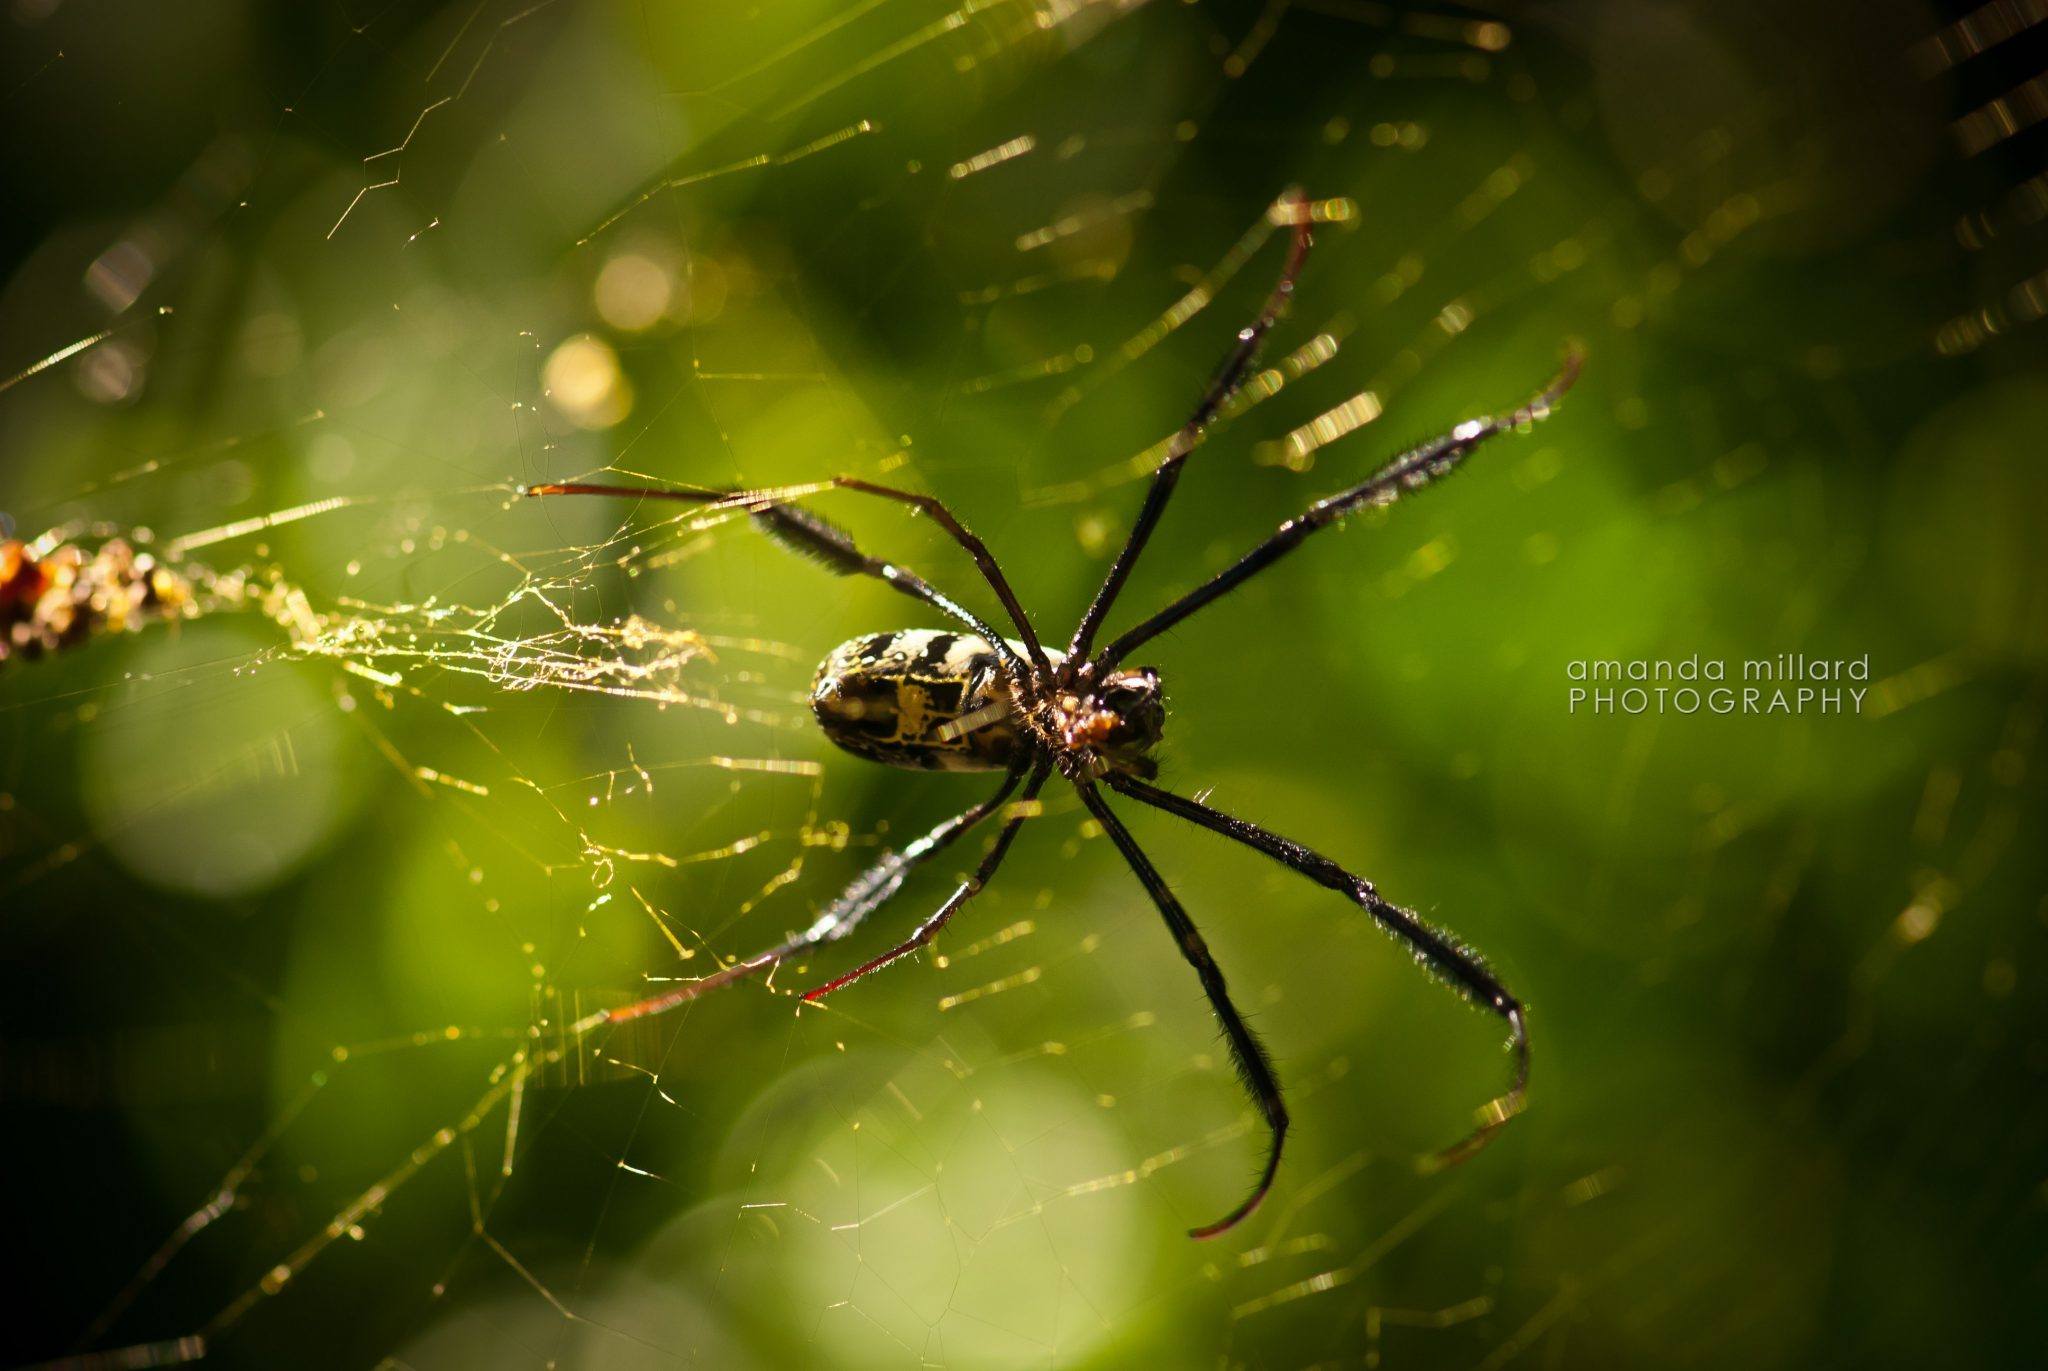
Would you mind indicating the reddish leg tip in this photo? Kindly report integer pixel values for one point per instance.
(1237, 1215)
(1224, 1224)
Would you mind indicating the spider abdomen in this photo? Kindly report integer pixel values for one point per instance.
(923, 699)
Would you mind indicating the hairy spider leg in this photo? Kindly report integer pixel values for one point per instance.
(1254, 1067)
(1292, 210)
(865, 894)
(984, 560)
(967, 890)
(1455, 964)
(832, 547)
(1409, 472)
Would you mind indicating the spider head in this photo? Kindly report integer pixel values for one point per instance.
(1120, 721)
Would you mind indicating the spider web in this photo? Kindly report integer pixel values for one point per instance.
(311, 899)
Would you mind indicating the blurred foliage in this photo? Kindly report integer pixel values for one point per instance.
(1786, 1107)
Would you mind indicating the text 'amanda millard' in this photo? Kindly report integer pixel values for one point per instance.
(1788, 683)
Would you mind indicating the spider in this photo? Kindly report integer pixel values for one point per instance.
(974, 700)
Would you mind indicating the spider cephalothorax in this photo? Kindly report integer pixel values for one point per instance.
(1110, 726)
(974, 700)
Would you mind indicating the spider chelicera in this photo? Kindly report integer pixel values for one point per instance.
(942, 700)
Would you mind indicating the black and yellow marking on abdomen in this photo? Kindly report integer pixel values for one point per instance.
(923, 699)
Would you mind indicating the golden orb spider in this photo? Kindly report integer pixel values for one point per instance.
(976, 701)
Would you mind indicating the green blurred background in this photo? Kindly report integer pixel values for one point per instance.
(281, 906)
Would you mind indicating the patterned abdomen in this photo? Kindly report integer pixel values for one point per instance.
(924, 699)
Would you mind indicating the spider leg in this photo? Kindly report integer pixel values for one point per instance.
(1457, 965)
(984, 560)
(863, 896)
(1289, 210)
(830, 545)
(1411, 471)
(1253, 1065)
(969, 888)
